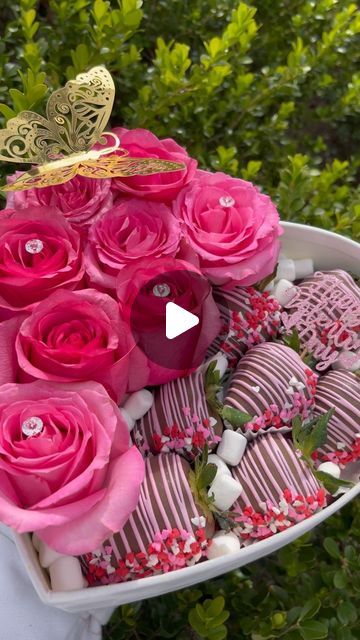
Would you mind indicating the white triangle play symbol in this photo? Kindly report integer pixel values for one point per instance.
(178, 320)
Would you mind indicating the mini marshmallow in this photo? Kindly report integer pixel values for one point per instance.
(47, 556)
(304, 268)
(232, 446)
(222, 467)
(331, 468)
(225, 490)
(65, 574)
(138, 404)
(284, 291)
(128, 419)
(286, 270)
(223, 544)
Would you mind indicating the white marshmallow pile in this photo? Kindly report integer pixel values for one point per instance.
(288, 270)
(64, 571)
(224, 489)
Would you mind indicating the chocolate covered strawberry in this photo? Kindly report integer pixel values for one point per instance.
(339, 390)
(167, 530)
(279, 489)
(249, 317)
(273, 385)
(326, 315)
(180, 419)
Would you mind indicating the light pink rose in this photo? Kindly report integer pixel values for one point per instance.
(75, 336)
(232, 227)
(145, 312)
(27, 276)
(77, 481)
(133, 230)
(141, 143)
(80, 200)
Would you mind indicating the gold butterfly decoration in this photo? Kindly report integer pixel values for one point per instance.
(71, 139)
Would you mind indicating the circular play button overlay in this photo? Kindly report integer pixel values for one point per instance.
(173, 317)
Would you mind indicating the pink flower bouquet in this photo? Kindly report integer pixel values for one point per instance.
(139, 451)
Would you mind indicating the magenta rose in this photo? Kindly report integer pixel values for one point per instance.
(133, 230)
(66, 469)
(39, 252)
(233, 228)
(80, 200)
(141, 143)
(75, 336)
(145, 311)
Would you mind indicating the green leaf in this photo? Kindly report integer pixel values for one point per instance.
(235, 417)
(207, 475)
(332, 548)
(217, 634)
(330, 483)
(310, 609)
(216, 606)
(292, 340)
(340, 579)
(313, 630)
(7, 112)
(347, 613)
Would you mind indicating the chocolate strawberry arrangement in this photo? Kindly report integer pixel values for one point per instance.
(258, 438)
(129, 448)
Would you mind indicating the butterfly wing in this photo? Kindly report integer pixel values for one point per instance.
(81, 110)
(29, 138)
(42, 177)
(77, 115)
(115, 166)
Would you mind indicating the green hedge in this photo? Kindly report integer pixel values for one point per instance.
(270, 93)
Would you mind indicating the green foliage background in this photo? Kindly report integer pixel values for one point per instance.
(269, 91)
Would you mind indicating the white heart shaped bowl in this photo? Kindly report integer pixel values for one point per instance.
(329, 251)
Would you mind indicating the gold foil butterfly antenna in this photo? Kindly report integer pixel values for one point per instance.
(62, 143)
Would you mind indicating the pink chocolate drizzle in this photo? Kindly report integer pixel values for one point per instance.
(249, 318)
(340, 390)
(272, 383)
(326, 314)
(279, 490)
(179, 419)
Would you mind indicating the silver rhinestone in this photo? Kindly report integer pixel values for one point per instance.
(161, 290)
(32, 426)
(34, 246)
(226, 201)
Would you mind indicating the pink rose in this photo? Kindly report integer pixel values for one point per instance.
(233, 228)
(75, 336)
(39, 252)
(141, 143)
(66, 469)
(145, 312)
(80, 200)
(133, 230)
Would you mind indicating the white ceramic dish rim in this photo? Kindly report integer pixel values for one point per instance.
(117, 594)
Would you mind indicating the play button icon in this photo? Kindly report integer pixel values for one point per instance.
(172, 315)
(178, 320)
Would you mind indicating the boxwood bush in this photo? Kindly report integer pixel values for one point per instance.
(268, 91)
